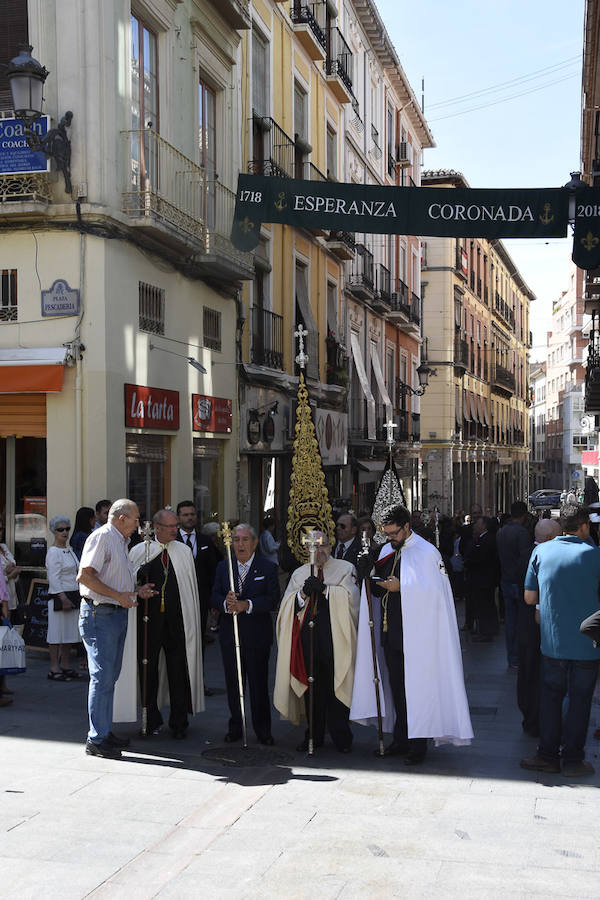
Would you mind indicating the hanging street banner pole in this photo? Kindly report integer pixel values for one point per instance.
(376, 209)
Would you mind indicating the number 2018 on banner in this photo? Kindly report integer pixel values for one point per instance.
(251, 196)
(588, 210)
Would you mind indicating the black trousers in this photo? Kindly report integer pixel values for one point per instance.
(394, 659)
(484, 606)
(162, 636)
(528, 675)
(255, 674)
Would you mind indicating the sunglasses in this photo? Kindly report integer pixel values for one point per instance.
(62, 529)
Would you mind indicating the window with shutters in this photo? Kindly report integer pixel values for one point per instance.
(331, 148)
(207, 146)
(13, 31)
(211, 328)
(8, 296)
(151, 308)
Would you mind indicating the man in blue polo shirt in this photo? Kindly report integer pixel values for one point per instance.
(564, 578)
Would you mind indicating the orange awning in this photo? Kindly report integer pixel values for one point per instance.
(31, 379)
(34, 370)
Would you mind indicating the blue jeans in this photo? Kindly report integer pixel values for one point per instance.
(103, 630)
(512, 594)
(561, 677)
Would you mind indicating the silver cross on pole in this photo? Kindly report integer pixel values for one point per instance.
(302, 358)
(312, 539)
(389, 427)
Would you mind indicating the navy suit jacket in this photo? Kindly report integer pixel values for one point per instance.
(261, 586)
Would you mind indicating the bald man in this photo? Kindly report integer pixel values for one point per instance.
(528, 645)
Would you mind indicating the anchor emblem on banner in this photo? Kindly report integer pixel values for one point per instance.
(280, 204)
(546, 218)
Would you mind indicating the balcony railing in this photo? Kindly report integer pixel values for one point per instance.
(162, 183)
(337, 362)
(502, 378)
(307, 14)
(277, 158)
(461, 354)
(501, 308)
(361, 278)
(415, 308)
(311, 173)
(267, 338)
(384, 282)
(416, 427)
(339, 57)
(376, 148)
(400, 298)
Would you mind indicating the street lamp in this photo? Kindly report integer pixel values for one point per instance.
(193, 362)
(26, 77)
(423, 374)
(573, 185)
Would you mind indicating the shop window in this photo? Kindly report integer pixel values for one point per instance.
(147, 459)
(8, 295)
(23, 496)
(211, 328)
(207, 478)
(151, 308)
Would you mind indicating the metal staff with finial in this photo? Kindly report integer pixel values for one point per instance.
(312, 540)
(147, 535)
(437, 527)
(376, 681)
(226, 535)
(389, 427)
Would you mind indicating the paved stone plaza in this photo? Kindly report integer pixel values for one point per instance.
(168, 822)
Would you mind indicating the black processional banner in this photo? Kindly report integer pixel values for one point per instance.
(586, 233)
(376, 209)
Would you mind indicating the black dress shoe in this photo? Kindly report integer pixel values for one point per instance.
(208, 692)
(232, 737)
(267, 741)
(105, 750)
(118, 742)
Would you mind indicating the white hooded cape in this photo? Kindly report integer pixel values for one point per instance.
(436, 700)
(342, 593)
(126, 688)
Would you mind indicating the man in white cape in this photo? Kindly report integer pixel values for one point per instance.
(418, 646)
(174, 675)
(334, 585)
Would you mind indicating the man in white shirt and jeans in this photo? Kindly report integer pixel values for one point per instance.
(107, 588)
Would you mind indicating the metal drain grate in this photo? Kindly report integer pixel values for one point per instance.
(483, 710)
(237, 757)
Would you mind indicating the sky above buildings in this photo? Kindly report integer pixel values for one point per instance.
(516, 67)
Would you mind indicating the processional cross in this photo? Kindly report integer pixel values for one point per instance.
(302, 358)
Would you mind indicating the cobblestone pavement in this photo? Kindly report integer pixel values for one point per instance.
(167, 821)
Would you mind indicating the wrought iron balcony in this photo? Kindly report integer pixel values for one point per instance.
(592, 375)
(400, 298)
(162, 185)
(415, 433)
(361, 279)
(267, 339)
(338, 65)
(502, 309)
(383, 294)
(461, 356)
(309, 25)
(276, 150)
(220, 258)
(415, 309)
(503, 380)
(337, 362)
(342, 244)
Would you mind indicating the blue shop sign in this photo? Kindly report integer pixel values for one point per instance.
(60, 300)
(16, 157)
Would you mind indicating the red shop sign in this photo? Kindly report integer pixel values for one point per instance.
(211, 413)
(149, 407)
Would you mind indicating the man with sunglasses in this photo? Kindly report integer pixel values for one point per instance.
(418, 646)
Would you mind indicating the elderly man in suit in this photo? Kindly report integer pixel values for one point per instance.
(255, 597)
(348, 544)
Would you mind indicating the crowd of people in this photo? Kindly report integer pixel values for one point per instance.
(367, 633)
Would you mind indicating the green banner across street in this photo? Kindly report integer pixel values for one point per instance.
(376, 209)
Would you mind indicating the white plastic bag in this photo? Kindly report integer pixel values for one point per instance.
(12, 651)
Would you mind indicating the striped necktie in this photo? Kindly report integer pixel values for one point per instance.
(242, 572)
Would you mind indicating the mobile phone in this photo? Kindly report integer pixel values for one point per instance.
(377, 578)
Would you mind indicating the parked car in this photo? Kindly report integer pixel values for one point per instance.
(545, 498)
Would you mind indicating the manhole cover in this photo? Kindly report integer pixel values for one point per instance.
(253, 756)
(483, 710)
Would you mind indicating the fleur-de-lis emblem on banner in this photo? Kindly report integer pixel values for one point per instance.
(590, 241)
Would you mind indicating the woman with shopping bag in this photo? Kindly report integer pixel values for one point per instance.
(12, 646)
